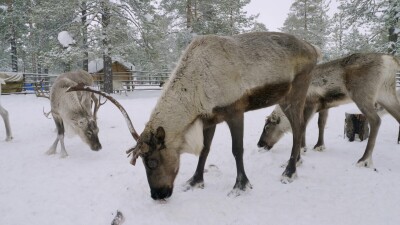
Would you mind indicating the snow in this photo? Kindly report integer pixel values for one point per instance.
(89, 187)
(65, 39)
(149, 18)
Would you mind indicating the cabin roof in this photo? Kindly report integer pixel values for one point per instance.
(11, 76)
(97, 65)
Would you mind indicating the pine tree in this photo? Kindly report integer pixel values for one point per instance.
(308, 20)
(379, 18)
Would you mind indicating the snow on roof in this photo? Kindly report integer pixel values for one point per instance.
(65, 39)
(97, 64)
(11, 76)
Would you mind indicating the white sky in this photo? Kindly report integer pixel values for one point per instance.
(274, 12)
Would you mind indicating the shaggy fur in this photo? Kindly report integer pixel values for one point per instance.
(366, 79)
(217, 79)
(73, 109)
(4, 115)
(202, 81)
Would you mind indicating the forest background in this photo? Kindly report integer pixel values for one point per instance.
(151, 34)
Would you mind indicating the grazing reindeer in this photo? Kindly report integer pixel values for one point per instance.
(74, 110)
(218, 79)
(4, 114)
(366, 79)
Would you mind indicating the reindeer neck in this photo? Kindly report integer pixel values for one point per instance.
(174, 112)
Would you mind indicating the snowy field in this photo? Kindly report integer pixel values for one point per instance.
(87, 188)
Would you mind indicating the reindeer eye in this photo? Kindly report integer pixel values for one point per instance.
(152, 163)
(89, 133)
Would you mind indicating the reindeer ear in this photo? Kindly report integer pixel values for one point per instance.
(160, 134)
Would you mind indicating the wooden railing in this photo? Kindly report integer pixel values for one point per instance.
(122, 82)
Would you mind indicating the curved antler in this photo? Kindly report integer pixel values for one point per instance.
(83, 87)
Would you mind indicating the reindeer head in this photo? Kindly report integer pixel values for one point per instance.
(276, 125)
(84, 122)
(87, 129)
(161, 163)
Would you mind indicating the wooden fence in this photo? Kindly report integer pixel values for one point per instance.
(122, 82)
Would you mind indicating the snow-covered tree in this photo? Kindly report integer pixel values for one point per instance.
(308, 20)
(379, 19)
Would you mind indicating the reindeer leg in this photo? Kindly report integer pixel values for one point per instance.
(4, 114)
(293, 107)
(297, 126)
(323, 116)
(308, 113)
(374, 122)
(63, 151)
(236, 128)
(60, 137)
(59, 125)
(197, 179)
(53, 147)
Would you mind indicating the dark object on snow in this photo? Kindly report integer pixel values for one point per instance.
(356, 124)
(118, 219)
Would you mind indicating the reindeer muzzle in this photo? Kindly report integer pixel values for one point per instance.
(263, 144)
(161, 193)
(95, 146)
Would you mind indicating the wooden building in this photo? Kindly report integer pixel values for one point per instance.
(122, 73)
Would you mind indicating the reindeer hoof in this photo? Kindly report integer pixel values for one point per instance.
(320, 148)
(286, 179)
(9, 138)
(63, 155)
(365, 163)
(192, 185)
(51, 152)
(237, 191)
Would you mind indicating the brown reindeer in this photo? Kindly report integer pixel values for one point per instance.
(218, 79)
(73, 110)
(366, 79)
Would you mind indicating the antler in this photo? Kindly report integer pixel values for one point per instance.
(39, 92)
(132, 151)
(46, 114)
(97, 104)
(83, 87)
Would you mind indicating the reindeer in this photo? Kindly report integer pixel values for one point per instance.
(217, 79)
(73, 110)
(4, 114)
(365, 79)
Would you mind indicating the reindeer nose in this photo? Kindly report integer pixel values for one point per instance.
(96, 147)
(261, 144)
(160, 193)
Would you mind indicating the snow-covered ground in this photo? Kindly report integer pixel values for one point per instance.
(87, 188)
